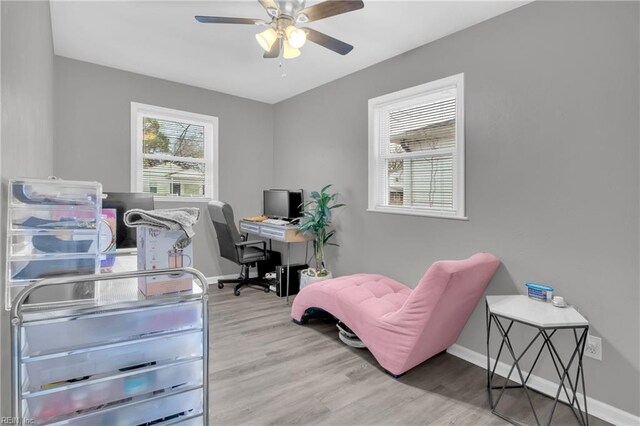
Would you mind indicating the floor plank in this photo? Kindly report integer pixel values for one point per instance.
(266, 370)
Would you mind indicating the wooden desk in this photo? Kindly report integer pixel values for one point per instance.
(284, 233)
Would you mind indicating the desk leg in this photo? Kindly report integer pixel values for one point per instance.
(288, 268)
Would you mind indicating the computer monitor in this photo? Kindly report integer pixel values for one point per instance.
(121, 202)
(276, 203)
(282, 203)
(296, 198)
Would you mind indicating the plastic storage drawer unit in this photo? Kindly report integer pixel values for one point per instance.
(69, 398)
(52, 230)
(114, 327)
(40, 372)
(187, 405)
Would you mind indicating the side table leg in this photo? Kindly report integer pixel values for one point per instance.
(489, 375)
(516, 364)
(564, 375)
(555, 355)
(585, 334)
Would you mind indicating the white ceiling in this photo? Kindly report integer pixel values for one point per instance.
(162, 39)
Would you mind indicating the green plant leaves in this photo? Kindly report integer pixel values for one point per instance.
(317, 219)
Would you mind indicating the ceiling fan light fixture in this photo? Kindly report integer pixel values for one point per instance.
(296, 37)
(267, 38)
(289, 51)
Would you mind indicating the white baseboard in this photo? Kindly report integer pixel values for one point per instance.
(214, 280)
(596, 408)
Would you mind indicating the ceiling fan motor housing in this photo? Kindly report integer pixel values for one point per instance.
(291, 7)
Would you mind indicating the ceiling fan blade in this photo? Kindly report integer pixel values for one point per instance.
(327, 41)
(225, 20)
(270, 6)
(275, 50)
(330, 8)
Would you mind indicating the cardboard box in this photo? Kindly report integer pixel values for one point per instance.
(156, 250)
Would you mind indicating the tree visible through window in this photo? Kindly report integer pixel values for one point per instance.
(175, 139)
(174, 152)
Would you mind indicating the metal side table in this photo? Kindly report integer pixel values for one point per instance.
(502, 312)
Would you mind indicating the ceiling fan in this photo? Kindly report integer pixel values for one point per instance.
(284, 34)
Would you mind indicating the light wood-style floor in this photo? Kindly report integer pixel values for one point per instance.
(264, 369)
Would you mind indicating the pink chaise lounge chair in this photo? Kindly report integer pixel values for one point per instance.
(400, 326)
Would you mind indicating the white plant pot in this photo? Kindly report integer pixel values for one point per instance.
(305, 279)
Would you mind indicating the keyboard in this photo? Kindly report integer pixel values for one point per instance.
(278, 222)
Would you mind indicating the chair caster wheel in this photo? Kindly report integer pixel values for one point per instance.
(267, 290)
(237, 292)
(220, 285)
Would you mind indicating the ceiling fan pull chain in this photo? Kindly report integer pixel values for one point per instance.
(283, 73)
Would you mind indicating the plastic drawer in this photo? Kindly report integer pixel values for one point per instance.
(41, 371)
(195, 421)
(269, 232)
(63, 243)
(49, 336)
(46, 219)
(248, 227)
(65, 400)
(29, 192)
(39, 268)
(142, 412)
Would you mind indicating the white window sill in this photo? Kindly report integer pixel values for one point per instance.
(164, 199)
(416, 212)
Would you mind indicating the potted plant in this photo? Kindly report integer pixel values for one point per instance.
(316, 221)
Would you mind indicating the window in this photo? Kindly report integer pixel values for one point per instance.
(416, 150)
(174, 153)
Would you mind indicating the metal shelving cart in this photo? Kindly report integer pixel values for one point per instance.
(108, 354)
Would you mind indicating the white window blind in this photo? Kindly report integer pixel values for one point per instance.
(416, 150)
(175, 152)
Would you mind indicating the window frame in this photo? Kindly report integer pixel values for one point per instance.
(407, 98)
(210, 160)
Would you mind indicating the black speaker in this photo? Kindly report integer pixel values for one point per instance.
(294, 276)
(269, 265)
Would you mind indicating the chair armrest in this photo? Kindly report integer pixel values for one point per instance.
(251, 243)
(241, 245)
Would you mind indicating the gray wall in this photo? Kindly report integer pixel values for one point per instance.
(552, 106)
(93, 139)
(552, 134)
(27, 121)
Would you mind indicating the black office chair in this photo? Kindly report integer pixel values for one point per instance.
(234, 247)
